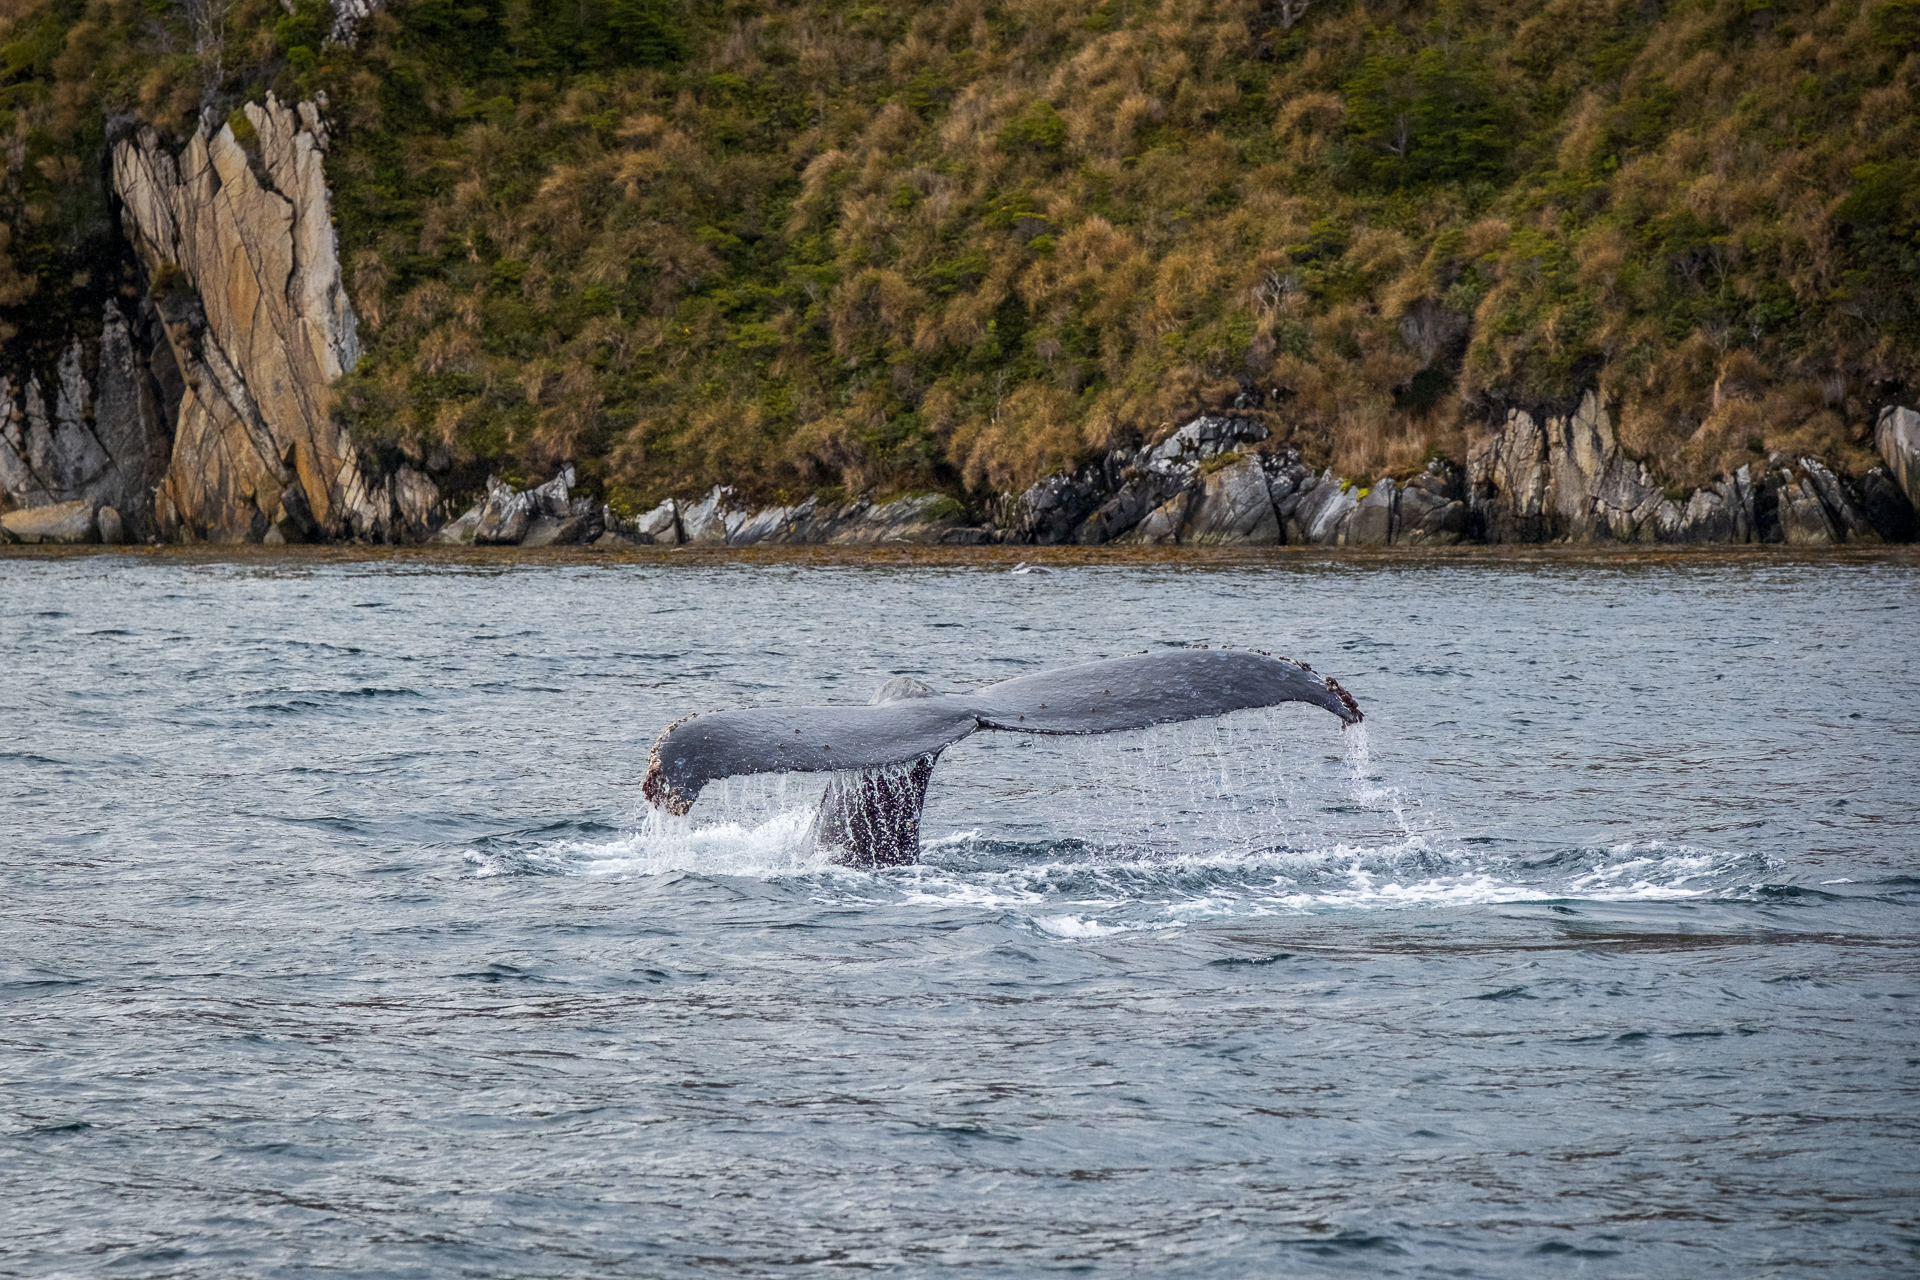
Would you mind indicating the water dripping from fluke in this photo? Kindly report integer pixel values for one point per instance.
(883, 754)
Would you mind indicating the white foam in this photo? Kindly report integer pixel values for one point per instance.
(1195, 824)
(782, 845)
(1083, 927)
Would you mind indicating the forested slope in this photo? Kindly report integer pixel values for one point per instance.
(959, 245)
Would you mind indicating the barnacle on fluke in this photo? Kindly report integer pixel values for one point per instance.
(886, 750)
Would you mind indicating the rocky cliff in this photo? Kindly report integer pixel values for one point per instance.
(98, 431)
(201, 412)
(237, 241)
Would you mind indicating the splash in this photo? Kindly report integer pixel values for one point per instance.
(1166, 829)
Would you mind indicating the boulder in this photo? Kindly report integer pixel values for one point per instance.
(1317, 515)
(505, 516)
(460, 532)
(1706, 518)
(710, 521)
(1232, 507)
(1433, 509)
(1430, 519)
(57, 522)
(112, 530)
(1897, 437)
(662, 524)
(416, 505)
(1803, 517)
(1886, 507)
(550, 499)
(1162, 525)
(568, 531)
(1843, 510)
(1374, 516)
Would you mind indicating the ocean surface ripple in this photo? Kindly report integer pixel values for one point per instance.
(338, 939)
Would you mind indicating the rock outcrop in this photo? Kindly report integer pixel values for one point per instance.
(925, 519)
(1532, 478)
(239, 247)
(55, 522)
(1540, 479)
(1207, 486)
(1232, 506)
(347, 17)
(97, 432)
(1897, 436)
(1548, 477)
(547, 516)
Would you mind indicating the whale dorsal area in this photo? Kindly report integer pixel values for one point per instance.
(906, 721)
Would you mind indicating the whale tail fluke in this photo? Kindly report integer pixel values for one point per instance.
(884, 752)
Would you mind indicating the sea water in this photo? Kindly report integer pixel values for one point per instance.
(336, 936)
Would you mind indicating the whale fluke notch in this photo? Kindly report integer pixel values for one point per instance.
(890, 746)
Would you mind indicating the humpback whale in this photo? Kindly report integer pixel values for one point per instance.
(882, 755)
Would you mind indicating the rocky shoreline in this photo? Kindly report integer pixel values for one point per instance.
(200, 414)
(1535, 480)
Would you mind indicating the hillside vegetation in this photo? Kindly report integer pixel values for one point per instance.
(800, 246)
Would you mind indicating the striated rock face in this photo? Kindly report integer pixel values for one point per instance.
(240, 249)
(1803, 519)
(927, 519)
(1507, 474)
(97, 432)
(416, 505)
(1232, 506)
(712, 520)
(1318, 512)
(1897, 436)
(1565, 477)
